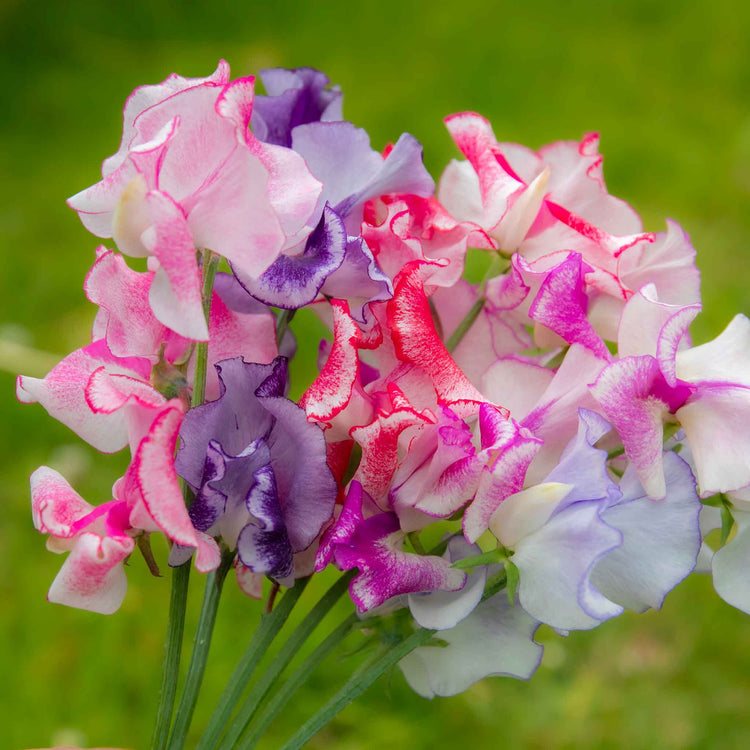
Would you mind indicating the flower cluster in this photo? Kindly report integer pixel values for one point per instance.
(543, 446)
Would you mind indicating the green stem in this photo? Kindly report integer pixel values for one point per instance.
(201, 646)
(298, 678)
(463, 327)
(497, 266)
(181, 574)
(282, 659)
(173, 648)
(210, 264)
(356, 685)
(270, 625)
(282, 324)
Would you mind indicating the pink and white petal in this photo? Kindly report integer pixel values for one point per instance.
(233, 215)
(380, 441)
(459, 192)
(331, 391)
(577, 182)
(715, 420)
(661, 539)
(726, 359)
(146, 97)
(128, 322)
(96, 205)
(475, 352)
(62, 393)
(515, 225)
(92, 576)
(175, 294)
(643, 318)
(497, 184)
(153, 467)
(555, 565)
(417, 342)
(496, 639)
(561, 305)
(385, 570)
(668, 263)
(636, 399)
(292, 190)
(250, 583)
(208, 554)
(555, 418)
(234, 334)
(516, 383)
(55, 505)
(503, 476)
(731, 566)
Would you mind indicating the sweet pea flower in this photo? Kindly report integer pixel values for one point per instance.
(258, 468)
(533, 203)
(658, 378)
(365, 538)
(98, 539)
(189, 175)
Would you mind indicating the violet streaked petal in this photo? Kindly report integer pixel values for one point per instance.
(293, 281)
(263, 545)
(359, 280)
(385, 570)
(295, 97)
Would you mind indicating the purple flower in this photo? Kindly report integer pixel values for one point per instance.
(257, 466)
(295, 97)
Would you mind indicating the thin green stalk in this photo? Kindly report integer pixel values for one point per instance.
(356, 685)
(210, 264)
(201, 646)
(496, 267)
(269, 627)
(173, 649)
(463, 327)
(181, 574)
(282, 324)
(298, 678)
(287, 652)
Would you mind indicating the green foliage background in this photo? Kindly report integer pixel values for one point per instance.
(666, 84)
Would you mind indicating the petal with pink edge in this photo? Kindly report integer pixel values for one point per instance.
(62, 393)
(92, 576)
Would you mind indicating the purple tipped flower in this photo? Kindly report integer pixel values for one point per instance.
(257, 466)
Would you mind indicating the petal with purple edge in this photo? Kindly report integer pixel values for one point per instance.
(495, 639)
(661, 539)
(555, 565)
(293, 281)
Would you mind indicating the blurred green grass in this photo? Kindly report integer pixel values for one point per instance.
(667, 85)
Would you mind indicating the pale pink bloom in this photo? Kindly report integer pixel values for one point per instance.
(190, 175)
(98, 540)
(535, 203)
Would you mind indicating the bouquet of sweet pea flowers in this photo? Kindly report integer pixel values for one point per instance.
(544, 445)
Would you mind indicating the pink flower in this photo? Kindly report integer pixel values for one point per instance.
(188, 174)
